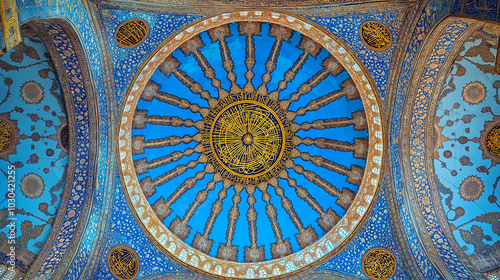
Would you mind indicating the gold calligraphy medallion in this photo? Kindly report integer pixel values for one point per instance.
(123, 262)
(379, 263)
(493, 141)
(131, 33)
(247, 138)
(375, 35)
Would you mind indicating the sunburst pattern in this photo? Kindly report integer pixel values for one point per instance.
(249, 143)
(256, 136)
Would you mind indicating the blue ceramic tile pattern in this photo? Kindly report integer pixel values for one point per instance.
(126, 62)
(376, 232)
(377, 62)
(31, 102)
(430, 15)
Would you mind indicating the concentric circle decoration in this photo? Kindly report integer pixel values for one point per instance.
(375, 35)
(32, 92)
(379, 264)
(123, 262)
(6, 135)
(32, 185)
(251, 145)
(474, 93)
(492, 140)
(131, 33)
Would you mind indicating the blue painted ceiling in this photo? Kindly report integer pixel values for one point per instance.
(31, 102)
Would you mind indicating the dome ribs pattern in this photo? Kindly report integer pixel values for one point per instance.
(201, 197)
(280, 33)
(344, 198)
(201, 241)
(359, 147)
(333, 123)
(274, 144)
(152, 92)
(331, 216)
(315, 80)
(354, 174)
(142, 165)
(227, 251)
(220, 34)
(309, 47)
(305, 236)
(249, 29)
(171, 64)
(253, 253)
(193, 47)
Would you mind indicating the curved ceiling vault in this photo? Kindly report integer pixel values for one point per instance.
(251, 145)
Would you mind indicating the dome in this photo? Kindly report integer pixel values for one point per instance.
(250, 145)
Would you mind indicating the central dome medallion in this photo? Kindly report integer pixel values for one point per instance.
(251, 145)
(247, 138)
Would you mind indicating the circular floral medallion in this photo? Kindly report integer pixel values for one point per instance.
(471, 188)
(131, 33)
(375, 35)
(6, 135)
(474, 93)
(32, 92)
(251, 145)
(32, 185)
(379, 263)
(123, 262)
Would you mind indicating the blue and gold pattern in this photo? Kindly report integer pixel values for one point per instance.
(445, 41)
(247, 138)
(379, 263)
(123, 262)
(466, 170)
(34, 146)
(190, 100)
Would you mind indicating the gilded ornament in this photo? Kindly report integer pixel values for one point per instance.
(375, 35)
(123, 262)
(493, 141)
(6, 135)
(247, 138)
(131, 33)
(379, 263)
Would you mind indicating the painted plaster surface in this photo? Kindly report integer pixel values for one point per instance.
(469, 175)
(31, 101)
(126, 62)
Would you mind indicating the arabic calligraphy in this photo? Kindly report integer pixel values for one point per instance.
(379, 263)
(493, 141)
(123, 262)
(375, 35)
(6, 135)
(247, 137)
